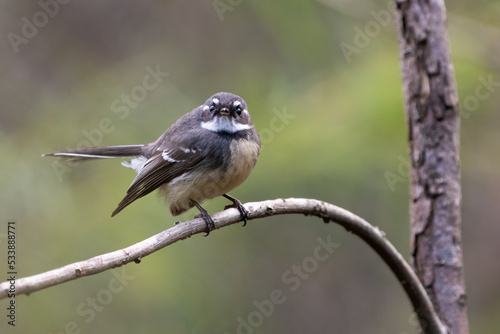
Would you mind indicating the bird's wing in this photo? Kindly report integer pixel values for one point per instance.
(160, 168)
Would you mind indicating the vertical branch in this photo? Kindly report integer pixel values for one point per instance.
(431, 105)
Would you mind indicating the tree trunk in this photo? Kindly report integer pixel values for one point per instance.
(432, 113)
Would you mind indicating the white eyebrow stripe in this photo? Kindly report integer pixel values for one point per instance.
(215, 100)
(236, 103)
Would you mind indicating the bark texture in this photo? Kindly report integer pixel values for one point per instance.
(432, 112)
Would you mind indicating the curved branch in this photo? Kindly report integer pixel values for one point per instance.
(328, 212)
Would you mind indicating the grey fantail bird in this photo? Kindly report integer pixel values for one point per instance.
(205, 154)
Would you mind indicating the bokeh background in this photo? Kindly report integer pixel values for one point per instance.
(330, 66)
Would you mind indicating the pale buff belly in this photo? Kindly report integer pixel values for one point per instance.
(202, 185)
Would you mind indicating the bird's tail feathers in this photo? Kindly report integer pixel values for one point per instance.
(99, 152)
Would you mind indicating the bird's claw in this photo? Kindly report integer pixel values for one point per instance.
(206, 217)
(238, 205)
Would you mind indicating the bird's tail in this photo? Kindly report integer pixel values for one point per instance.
(99, 152)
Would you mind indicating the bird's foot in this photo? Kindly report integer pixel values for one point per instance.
(238, 205)
(206, 217)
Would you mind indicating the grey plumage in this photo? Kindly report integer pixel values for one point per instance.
(206, 153)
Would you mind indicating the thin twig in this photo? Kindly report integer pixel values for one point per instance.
(328, 212)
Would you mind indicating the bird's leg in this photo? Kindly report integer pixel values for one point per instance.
(206, 217)
(237, 204)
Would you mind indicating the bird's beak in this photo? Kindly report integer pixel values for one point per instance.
(224, 112)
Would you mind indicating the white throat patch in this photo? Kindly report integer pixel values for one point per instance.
(224, 124)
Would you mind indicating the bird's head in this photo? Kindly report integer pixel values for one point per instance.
(225, 112)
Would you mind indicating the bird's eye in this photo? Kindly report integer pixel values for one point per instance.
(238, 111)
(212, 108)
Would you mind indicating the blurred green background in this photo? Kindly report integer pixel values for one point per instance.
(332, 66)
